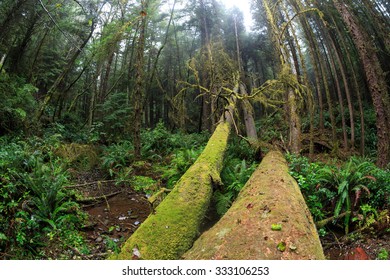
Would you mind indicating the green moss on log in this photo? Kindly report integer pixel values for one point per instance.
(247, 231)
(172, 229)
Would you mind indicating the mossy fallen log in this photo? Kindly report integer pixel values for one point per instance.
(268, 220)
(172, 228)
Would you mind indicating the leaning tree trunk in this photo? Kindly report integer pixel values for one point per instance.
(375, 79)
(172, 228)
(269, 220)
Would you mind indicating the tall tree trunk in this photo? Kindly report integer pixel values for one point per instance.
(139, 92)
(295, 48)
(295, 123)
(356, 86)
(375, 79)
(341, 101)
(286, 69)
(324, 74)
(346, 88)
(249, 120)
(63, 74)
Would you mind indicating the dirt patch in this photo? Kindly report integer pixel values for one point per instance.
(114, 211)
(111, 222)
(364, 247)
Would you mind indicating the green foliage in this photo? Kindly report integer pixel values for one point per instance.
(113, 115)
(383, 254)
(239, 166)
(144, 184)
(368, 216)
(112, 244)
(332, 189)
(17, 104)
(160, 141)
(34, 204)
(351, 179)
(116, 157)
(273, 127)
(318, 197)
(181, 161)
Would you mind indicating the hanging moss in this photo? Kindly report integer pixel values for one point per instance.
(172, 228)
(269, 220)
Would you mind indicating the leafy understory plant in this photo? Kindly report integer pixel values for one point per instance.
(350, 182)
(234, 176)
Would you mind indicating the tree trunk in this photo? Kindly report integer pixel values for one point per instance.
(172, 228)
(63, 75)
(341, 102)
(356, 88)
(269, 220)
(324, 74)
(346, 88)
(249, 120)
(375, 79)
(295, 124)
(139, 92)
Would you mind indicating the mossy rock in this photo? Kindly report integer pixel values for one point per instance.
(80, 156)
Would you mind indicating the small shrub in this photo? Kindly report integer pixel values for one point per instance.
(112, 116)
(144, 184)
(117, 156)
(17, 103)
(318, 198)
(331, 189)
(383, 254)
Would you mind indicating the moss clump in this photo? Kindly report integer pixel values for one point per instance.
(82, 157)
(276, 227)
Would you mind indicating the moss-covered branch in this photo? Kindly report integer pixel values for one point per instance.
(172, 228)
(269, 220)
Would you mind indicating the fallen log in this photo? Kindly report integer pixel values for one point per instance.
(174, 225)
(268, 220)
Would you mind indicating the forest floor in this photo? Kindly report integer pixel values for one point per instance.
(115, 211)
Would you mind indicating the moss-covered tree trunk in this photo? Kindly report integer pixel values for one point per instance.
(172, 228)
(269, 220)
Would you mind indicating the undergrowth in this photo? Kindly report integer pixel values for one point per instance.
(35, 208)
(239, 164)
(358, 189)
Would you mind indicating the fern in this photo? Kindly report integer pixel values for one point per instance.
(223, 201)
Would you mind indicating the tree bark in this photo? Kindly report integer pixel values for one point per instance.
(139, 92)
(249, 120)
(375, 79)
(268, 220)
(172, 228)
